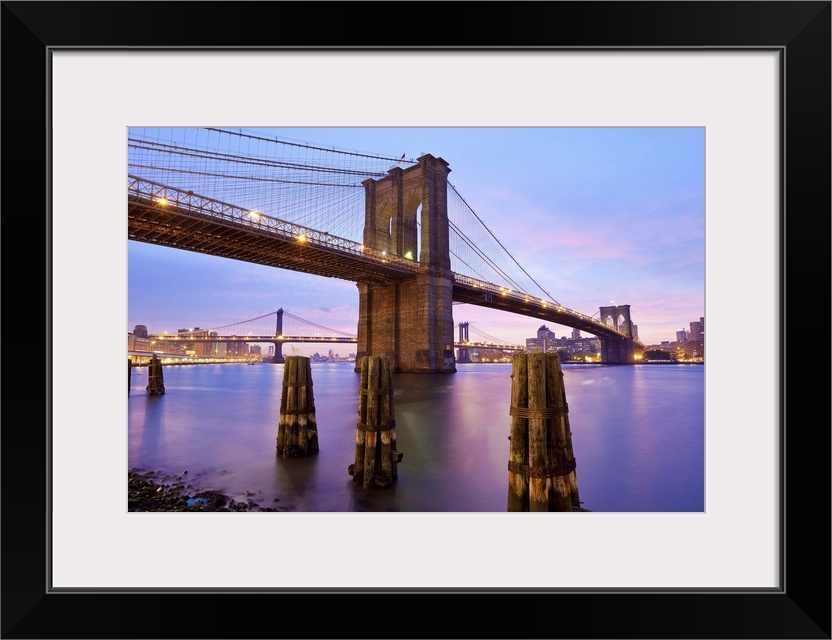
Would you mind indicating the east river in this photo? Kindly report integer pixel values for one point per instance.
(638, 435)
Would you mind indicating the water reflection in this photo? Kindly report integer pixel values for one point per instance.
(637, 431)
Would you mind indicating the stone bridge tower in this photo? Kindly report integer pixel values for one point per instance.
(410, 321)
(618, 350)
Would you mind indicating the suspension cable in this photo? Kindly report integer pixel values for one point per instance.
(319, 326)
(308, 146)
(501, 244)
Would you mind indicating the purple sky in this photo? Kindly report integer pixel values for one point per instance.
(594, 215)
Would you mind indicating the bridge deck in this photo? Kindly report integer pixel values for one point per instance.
(468, 292)
(162, 215)
(232, 234)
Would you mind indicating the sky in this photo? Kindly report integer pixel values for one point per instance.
(597, 216)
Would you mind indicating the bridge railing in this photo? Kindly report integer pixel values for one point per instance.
(490, 345)
(262, 223)
(520, 296)
(250, 338)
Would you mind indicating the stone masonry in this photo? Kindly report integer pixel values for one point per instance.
(410, 321)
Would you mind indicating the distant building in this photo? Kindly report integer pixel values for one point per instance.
(689, 344)
(697, 330)
(137, 343)
(485, 354)
(546, 342)
(198, 348)
(697, 338)
(236, 349)
(140, 331)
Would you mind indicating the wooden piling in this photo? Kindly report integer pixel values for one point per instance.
(538, 493)
(565, 487)
(356, 470)
(541, 460)
(376, 457)
(155, 377)
(297, 428)
(387, 436)
(370, 453)
(310, 416)
(518, 487)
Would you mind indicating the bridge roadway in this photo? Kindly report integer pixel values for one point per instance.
(251, 338)
(320, 339)
(166, 216)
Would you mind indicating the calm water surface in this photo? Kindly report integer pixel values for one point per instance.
(638, 434)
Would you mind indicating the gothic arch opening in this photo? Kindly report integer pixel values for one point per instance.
(410, 233)
(417, 253)
(384, 227)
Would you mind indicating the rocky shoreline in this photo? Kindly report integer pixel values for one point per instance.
(149, 490)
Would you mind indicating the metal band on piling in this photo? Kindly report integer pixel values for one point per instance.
(542, 472)
(538, 414)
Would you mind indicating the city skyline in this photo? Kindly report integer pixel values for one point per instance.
(597, 216)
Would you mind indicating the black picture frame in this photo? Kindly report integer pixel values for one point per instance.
(800, 608)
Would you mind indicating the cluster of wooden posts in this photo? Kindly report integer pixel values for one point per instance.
(541, 461)
(155, 377)
(297, 427)
(376, 457)
(541, 465)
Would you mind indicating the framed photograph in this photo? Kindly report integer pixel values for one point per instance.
(754, 75)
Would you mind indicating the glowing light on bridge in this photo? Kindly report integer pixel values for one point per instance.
(301, 238)
(163, 201)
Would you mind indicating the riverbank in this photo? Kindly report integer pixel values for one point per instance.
(147, 490)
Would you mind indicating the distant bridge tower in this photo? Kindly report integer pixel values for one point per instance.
(617, 350)
(278, 344)
(410, 321)
(463, 355)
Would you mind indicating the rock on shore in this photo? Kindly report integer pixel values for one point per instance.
(150, 491)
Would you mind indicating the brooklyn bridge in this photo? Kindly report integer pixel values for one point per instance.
(397, 227)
